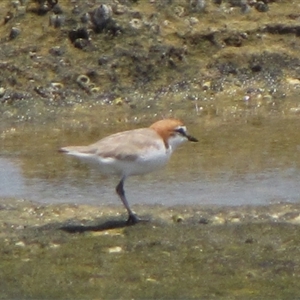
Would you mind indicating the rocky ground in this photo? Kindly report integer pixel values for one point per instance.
(217, 58)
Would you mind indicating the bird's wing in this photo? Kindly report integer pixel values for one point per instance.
(128, 145)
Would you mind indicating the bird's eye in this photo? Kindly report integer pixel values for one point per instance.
(181, 131)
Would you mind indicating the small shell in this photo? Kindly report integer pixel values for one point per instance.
(57, 85)
(56, 20)
(118, 101)
(91, 85)
(116, 249)
(83, 80)
(95, 90)
(206, 85)
(136, 23)
(177, 218)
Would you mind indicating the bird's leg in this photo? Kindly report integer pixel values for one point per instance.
(132, 217)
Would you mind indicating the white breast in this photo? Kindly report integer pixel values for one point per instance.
(146, 162)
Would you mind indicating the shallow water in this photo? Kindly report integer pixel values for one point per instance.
(233, 164)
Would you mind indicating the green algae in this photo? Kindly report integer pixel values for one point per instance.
(180, 261)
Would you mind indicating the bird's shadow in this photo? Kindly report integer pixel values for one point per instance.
(108, 225)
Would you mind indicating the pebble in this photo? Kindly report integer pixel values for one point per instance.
(76, 10)
(235, 220)
(57, 9)
(14, 33)
(245, 8)
(120, 9)
(21, 10)
(81, 43)
(56, 51)
(179, 11)
(198, 5)
(295, 220)
(54, 246)
(103, 60)
(20, 244)
(85, 18)
(218, 220)
(8, 17)
(56, 21)
(193, 21)
(203, 221)
(293, 81)
(15, 3)
(80, 33)
(261, 6)
(101, 14)
(295, 110)
(2, 92)
(115, 249)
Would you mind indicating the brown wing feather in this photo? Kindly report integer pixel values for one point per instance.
(126, 145)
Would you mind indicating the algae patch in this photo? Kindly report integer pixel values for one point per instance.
(84, 258)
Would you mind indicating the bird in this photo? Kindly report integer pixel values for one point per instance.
(133, 152)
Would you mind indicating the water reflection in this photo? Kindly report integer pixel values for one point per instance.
(11, 179)
(233, 164)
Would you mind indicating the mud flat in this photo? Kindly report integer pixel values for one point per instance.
(84, 252)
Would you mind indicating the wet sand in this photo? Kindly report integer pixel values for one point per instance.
(87, 252)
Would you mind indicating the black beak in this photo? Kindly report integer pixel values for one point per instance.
(183, 133)
(191, 138)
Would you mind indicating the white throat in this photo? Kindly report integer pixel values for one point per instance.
(175, 141)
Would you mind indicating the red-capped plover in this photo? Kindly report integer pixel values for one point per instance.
(133, 152)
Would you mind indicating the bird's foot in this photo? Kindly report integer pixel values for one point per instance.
(134, 219)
